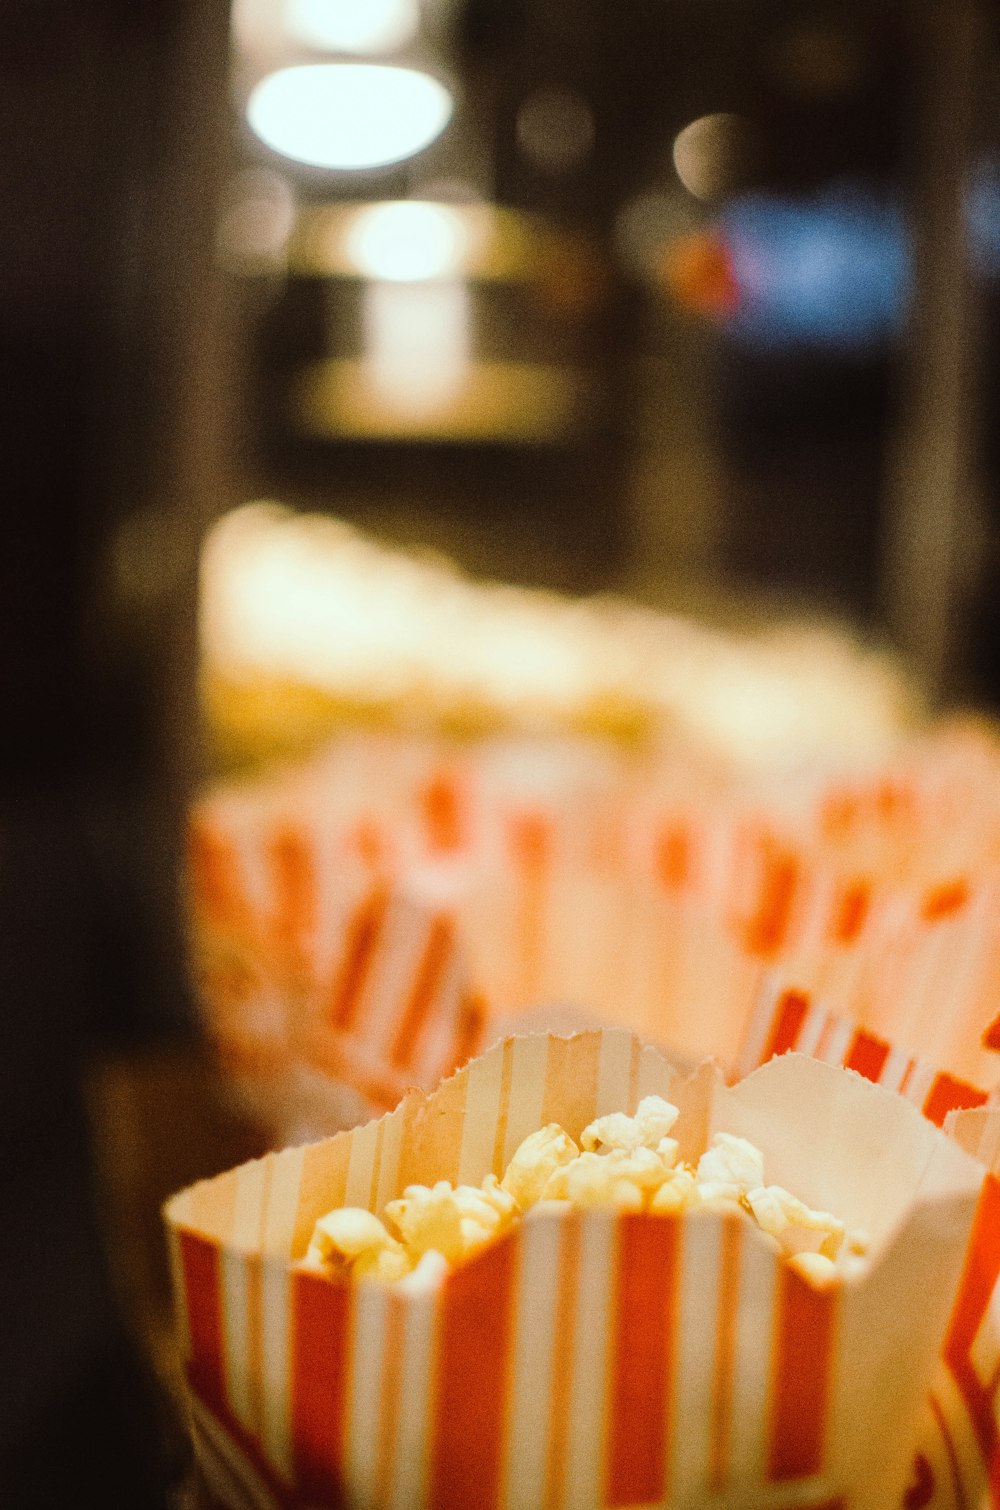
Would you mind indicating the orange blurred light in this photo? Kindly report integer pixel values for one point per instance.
(698, 271)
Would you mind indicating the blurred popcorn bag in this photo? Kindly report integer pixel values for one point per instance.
(328, 988)
(593, 1357)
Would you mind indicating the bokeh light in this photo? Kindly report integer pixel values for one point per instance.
(555, 130)
(356, 26)
(348, 115)
(710, 154)
(407, 241)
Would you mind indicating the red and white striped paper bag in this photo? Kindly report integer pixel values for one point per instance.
(587, 1358)
(785, 1018)
(960, 1444)
(317, 968)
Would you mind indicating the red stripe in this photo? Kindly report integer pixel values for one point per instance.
(948, 1094)
(320, 1325)
(673, 858)
(801, 1385)
(359, 951)
(642, 1352)
(215, 875)
(470, 1029)
(867, 1054)
(944, 901)
(979, 1280)
(531, 840)
(982, 1270)
(475, 1343)
(436, 957)
(294, 886)
(442, 813)
(786, 1024)
(767, 928)
(203, 1297)
(852, 912)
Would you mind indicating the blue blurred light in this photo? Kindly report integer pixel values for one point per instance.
(831, 271)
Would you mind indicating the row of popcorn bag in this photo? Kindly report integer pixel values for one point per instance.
(592, 1358)
(662, 917)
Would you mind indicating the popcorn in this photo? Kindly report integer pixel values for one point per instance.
(628, 1163)
(427, 1275)
(797, 1228)
(354, 1240)
(815, 1267)
(455, 1221)
(675, 1194)
(732, 1162)
(653, 1120)
(595, 1180)
(535, 1161)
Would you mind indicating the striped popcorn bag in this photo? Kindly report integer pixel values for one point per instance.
(329, 986)
(959, 1453)
(586, 1358)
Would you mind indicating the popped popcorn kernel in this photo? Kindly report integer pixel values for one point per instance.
(814, 1267)
(427, 1217)
(595, 1179)
(653, 1120)
(796, 1226)
(732, 1161)
(675, 1194)
(385, 1264)
(427, 1275)
(716, 1195)
(535, 1161)
(354, 1239)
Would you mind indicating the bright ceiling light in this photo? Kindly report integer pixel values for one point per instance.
(407, 241)
(348, 115)
(363, 26)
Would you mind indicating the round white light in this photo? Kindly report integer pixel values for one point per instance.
(353, 25)
(407, 241)
(348, 115)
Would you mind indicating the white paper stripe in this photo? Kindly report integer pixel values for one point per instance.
(479, 1132)
(236, 1335)
(409, 1486)
(283, 1203)
(527, 1423)
(613, 1072)
(836, 1046)
(698, 1315)
(249, 1206)
(894, 1069)
(655, 1078)
(587, 1413)
(527, 1093)
(752, 1364)
(388, 1175)
(364, 1396)
(761, 1023)
(275, 1346)
(361, 1166)
(816, 1020)
(920, 1082)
